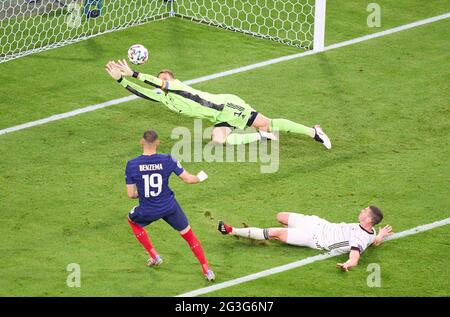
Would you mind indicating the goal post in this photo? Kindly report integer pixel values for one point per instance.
(319, 25)
(29, 26)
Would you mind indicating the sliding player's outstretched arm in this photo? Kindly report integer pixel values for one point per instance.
(352, 261)
(383, 233)
(139, 91)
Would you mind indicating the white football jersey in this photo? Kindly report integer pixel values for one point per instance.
(342, 237)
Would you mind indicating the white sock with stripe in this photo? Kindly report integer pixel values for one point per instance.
(251, 233)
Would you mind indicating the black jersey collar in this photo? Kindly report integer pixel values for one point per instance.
(366, 230)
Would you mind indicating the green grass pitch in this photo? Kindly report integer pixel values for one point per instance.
(384, 103)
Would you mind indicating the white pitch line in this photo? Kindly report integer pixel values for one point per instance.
(389, 31)
(67, 114)
(227, 73)
(303, 262)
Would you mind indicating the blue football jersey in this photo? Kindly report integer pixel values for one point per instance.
(151, 175)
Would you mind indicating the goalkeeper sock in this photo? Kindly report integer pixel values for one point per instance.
(197, 249)
(290, 126)
(143, 238)
(251, 233)
(243, 138)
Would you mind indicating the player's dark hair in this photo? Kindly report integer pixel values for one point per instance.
(150, 136)
(168, 71)
(376, 214)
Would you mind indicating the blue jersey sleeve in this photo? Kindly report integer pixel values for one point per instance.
(129, 175)
(177, 168)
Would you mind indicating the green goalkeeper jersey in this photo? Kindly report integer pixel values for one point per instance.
(191, 102)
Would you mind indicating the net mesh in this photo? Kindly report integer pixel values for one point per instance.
(29, 26)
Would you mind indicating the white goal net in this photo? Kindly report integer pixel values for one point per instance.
(29, 26)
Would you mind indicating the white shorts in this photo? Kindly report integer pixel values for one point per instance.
(304, 230)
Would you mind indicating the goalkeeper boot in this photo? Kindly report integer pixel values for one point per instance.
(321, 137)
(154, 262)
(267, 136)
(224, 228)
(210, 276)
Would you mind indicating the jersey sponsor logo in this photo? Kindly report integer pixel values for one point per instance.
(236, 107)
(150, 167)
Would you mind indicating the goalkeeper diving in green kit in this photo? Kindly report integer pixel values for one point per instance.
(224, 110)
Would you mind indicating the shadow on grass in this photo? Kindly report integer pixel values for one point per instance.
(91, 46)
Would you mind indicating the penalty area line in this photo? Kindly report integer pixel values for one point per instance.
(304, 262)
(227, 73)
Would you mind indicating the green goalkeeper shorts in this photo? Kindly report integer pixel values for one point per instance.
(236, 113)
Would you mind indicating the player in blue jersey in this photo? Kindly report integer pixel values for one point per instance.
(147, 178)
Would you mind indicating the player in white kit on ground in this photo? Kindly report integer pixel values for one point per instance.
(318, 233)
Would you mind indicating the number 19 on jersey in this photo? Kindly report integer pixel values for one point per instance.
(152, 184)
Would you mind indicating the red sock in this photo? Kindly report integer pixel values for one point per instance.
(196, 248)
(228, 228)
(143, 238)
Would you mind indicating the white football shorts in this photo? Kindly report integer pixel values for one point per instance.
(304, 230)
